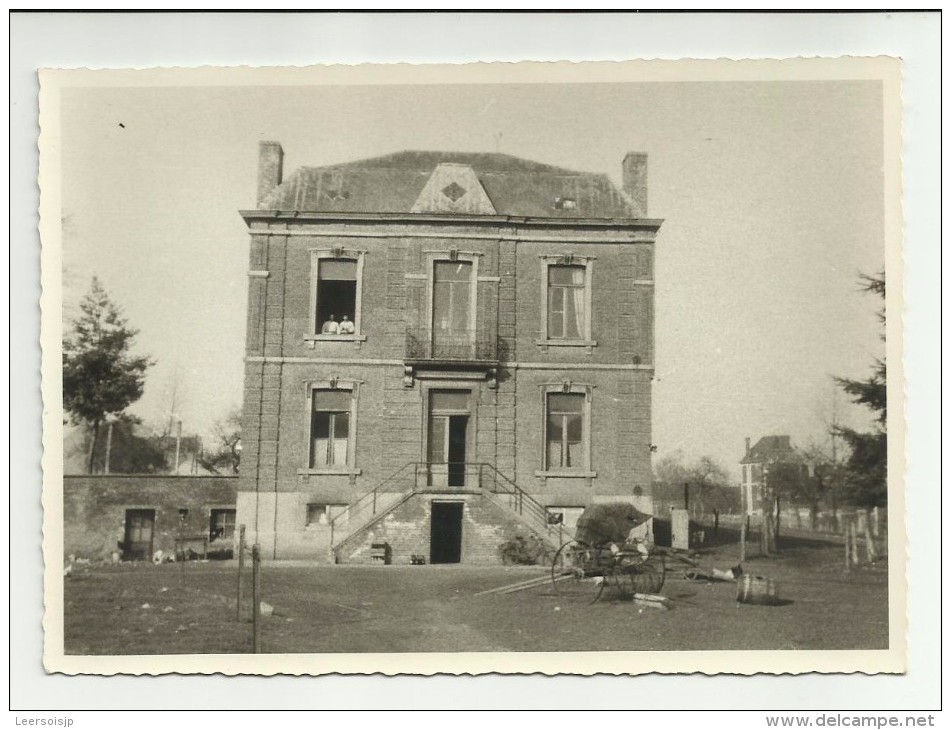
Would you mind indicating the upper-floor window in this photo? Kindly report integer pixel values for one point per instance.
(336, 288)
(330, 428)
(336, 296)
(452, 302)
(566, 301)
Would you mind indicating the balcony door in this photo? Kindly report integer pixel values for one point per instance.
(452, 333)
(448, 437)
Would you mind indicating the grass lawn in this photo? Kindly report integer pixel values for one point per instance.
(433, 608)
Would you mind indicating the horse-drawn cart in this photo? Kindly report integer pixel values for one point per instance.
(603, 556)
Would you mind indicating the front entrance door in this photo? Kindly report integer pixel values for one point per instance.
(139, 527)
(445, 534)
(448, 437)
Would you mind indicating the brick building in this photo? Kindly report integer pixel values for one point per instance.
(443, 350)
(135, 516)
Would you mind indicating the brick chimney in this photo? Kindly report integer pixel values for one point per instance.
(747, 445)
(270, 168)
(634, 181)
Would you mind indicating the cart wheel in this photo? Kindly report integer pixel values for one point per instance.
(569, 576)
(650, 575)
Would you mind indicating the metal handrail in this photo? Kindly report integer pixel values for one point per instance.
(525, 505)
(524, 501)
(423, 343)
(365, 497)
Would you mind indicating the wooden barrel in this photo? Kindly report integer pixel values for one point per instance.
(756, 589)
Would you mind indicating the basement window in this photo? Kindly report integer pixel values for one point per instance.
(320, 514)
(567, 517)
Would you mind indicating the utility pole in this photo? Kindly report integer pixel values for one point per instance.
(178, 442)
(834, 434)
(743, 523)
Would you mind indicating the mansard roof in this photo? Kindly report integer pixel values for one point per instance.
(395, 183)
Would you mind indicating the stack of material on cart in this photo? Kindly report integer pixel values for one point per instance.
(600, 524)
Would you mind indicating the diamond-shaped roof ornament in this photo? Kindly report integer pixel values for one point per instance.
(453, 188)
(454, 191)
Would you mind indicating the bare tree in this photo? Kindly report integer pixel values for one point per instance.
(225, 454)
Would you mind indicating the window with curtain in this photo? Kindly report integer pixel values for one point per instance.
(566, 302)
(452, 297)
(330, 428)
(564, 435)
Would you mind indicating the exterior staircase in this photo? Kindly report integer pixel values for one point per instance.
(417, 478)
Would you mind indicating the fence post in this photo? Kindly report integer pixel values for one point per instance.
(255, 595)
(743, 541)
(870, 552)
(855, 542)
(848, 547)
(240, 569)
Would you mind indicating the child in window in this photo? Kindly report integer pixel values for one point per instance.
(330, 327)
(346, 326)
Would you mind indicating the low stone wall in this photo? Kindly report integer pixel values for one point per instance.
(95, 510)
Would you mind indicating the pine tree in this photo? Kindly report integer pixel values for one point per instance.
(100, 376)
(866, 482)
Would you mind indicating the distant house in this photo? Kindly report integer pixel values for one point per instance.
(769, 449)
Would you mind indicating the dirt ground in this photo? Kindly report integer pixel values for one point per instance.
(146, 609)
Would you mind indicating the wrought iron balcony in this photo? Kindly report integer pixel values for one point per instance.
(465, 346)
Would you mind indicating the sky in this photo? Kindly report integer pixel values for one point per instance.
(771, 195)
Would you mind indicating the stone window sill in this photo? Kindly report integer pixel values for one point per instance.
(567, 473)
(567, 343)
(335, 338)
(343, 471)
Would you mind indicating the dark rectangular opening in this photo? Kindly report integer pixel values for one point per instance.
(445, 537)
(336, 296)
(139, 529)
(457, 450)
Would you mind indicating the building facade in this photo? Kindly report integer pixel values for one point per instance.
(755, 465)
(443, 349)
